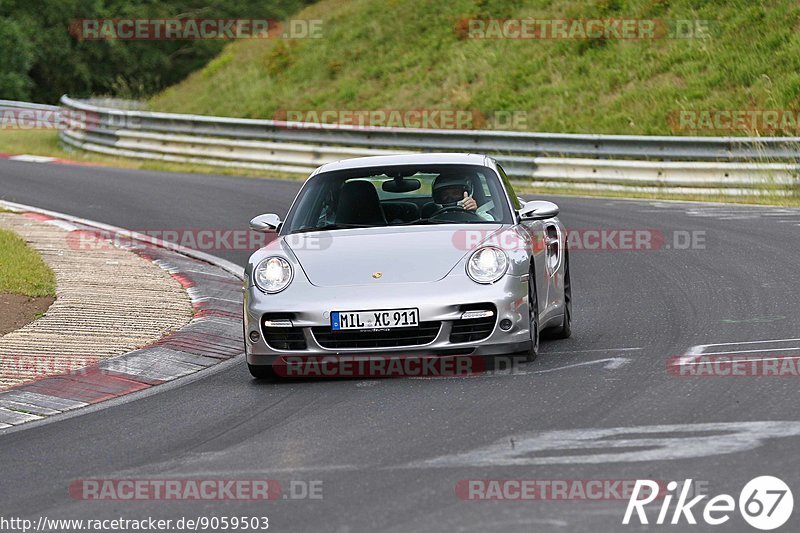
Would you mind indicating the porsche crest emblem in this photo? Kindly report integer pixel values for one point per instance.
(376, 275)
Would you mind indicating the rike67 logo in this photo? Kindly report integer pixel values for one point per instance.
(765, 503)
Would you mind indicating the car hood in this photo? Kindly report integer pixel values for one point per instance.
(400, 255)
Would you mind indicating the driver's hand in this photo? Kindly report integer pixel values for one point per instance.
(468, 203)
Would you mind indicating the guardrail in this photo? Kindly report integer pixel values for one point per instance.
(694, 165)
(13, 104)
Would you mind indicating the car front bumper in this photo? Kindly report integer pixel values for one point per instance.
(440, 301)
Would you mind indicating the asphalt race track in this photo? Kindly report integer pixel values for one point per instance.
(390, 453)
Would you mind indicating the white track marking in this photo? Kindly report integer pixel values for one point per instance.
(696, 352)
(32, 158)
(750, 342)
(207, 298)
(730, 352)
(692, 354)
(745, 360)
(596, 350)
(612, 363)
(619, 445)
(63, 224)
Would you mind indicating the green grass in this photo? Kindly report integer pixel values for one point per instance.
(407, 54)
(22, 270)
(38, 142)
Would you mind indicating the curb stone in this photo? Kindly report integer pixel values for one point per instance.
(211, 337)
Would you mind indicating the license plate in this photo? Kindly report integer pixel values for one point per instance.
(381, 319)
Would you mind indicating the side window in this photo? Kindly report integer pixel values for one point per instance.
(327, 213)
(509, 188)
(485, 186)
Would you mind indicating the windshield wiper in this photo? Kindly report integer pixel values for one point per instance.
(422, 221)
(333, 226)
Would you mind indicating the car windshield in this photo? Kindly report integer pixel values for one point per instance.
(404, 195)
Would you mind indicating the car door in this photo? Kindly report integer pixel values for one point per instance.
(546, 241)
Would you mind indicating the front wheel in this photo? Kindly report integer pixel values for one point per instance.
(565, 329)
(261, 371)
(533, 318)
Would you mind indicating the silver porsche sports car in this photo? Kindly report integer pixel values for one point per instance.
(429, 254)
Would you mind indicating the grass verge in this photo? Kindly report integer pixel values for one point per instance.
(22, 270)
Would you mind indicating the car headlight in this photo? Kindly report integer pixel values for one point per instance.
(273, 274)
(487, 265)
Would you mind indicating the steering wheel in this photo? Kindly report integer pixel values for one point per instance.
(455, 208)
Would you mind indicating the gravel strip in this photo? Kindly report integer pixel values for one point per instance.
(110, 301)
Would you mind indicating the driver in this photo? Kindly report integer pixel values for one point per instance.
(453, 191)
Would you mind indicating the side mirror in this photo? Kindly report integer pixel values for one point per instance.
(269, 222)
(538, 210)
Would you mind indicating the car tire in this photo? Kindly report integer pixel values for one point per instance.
(262, 371)
(565, 329)
(533, 318)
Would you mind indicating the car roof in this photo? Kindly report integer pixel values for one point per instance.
(405, 159)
